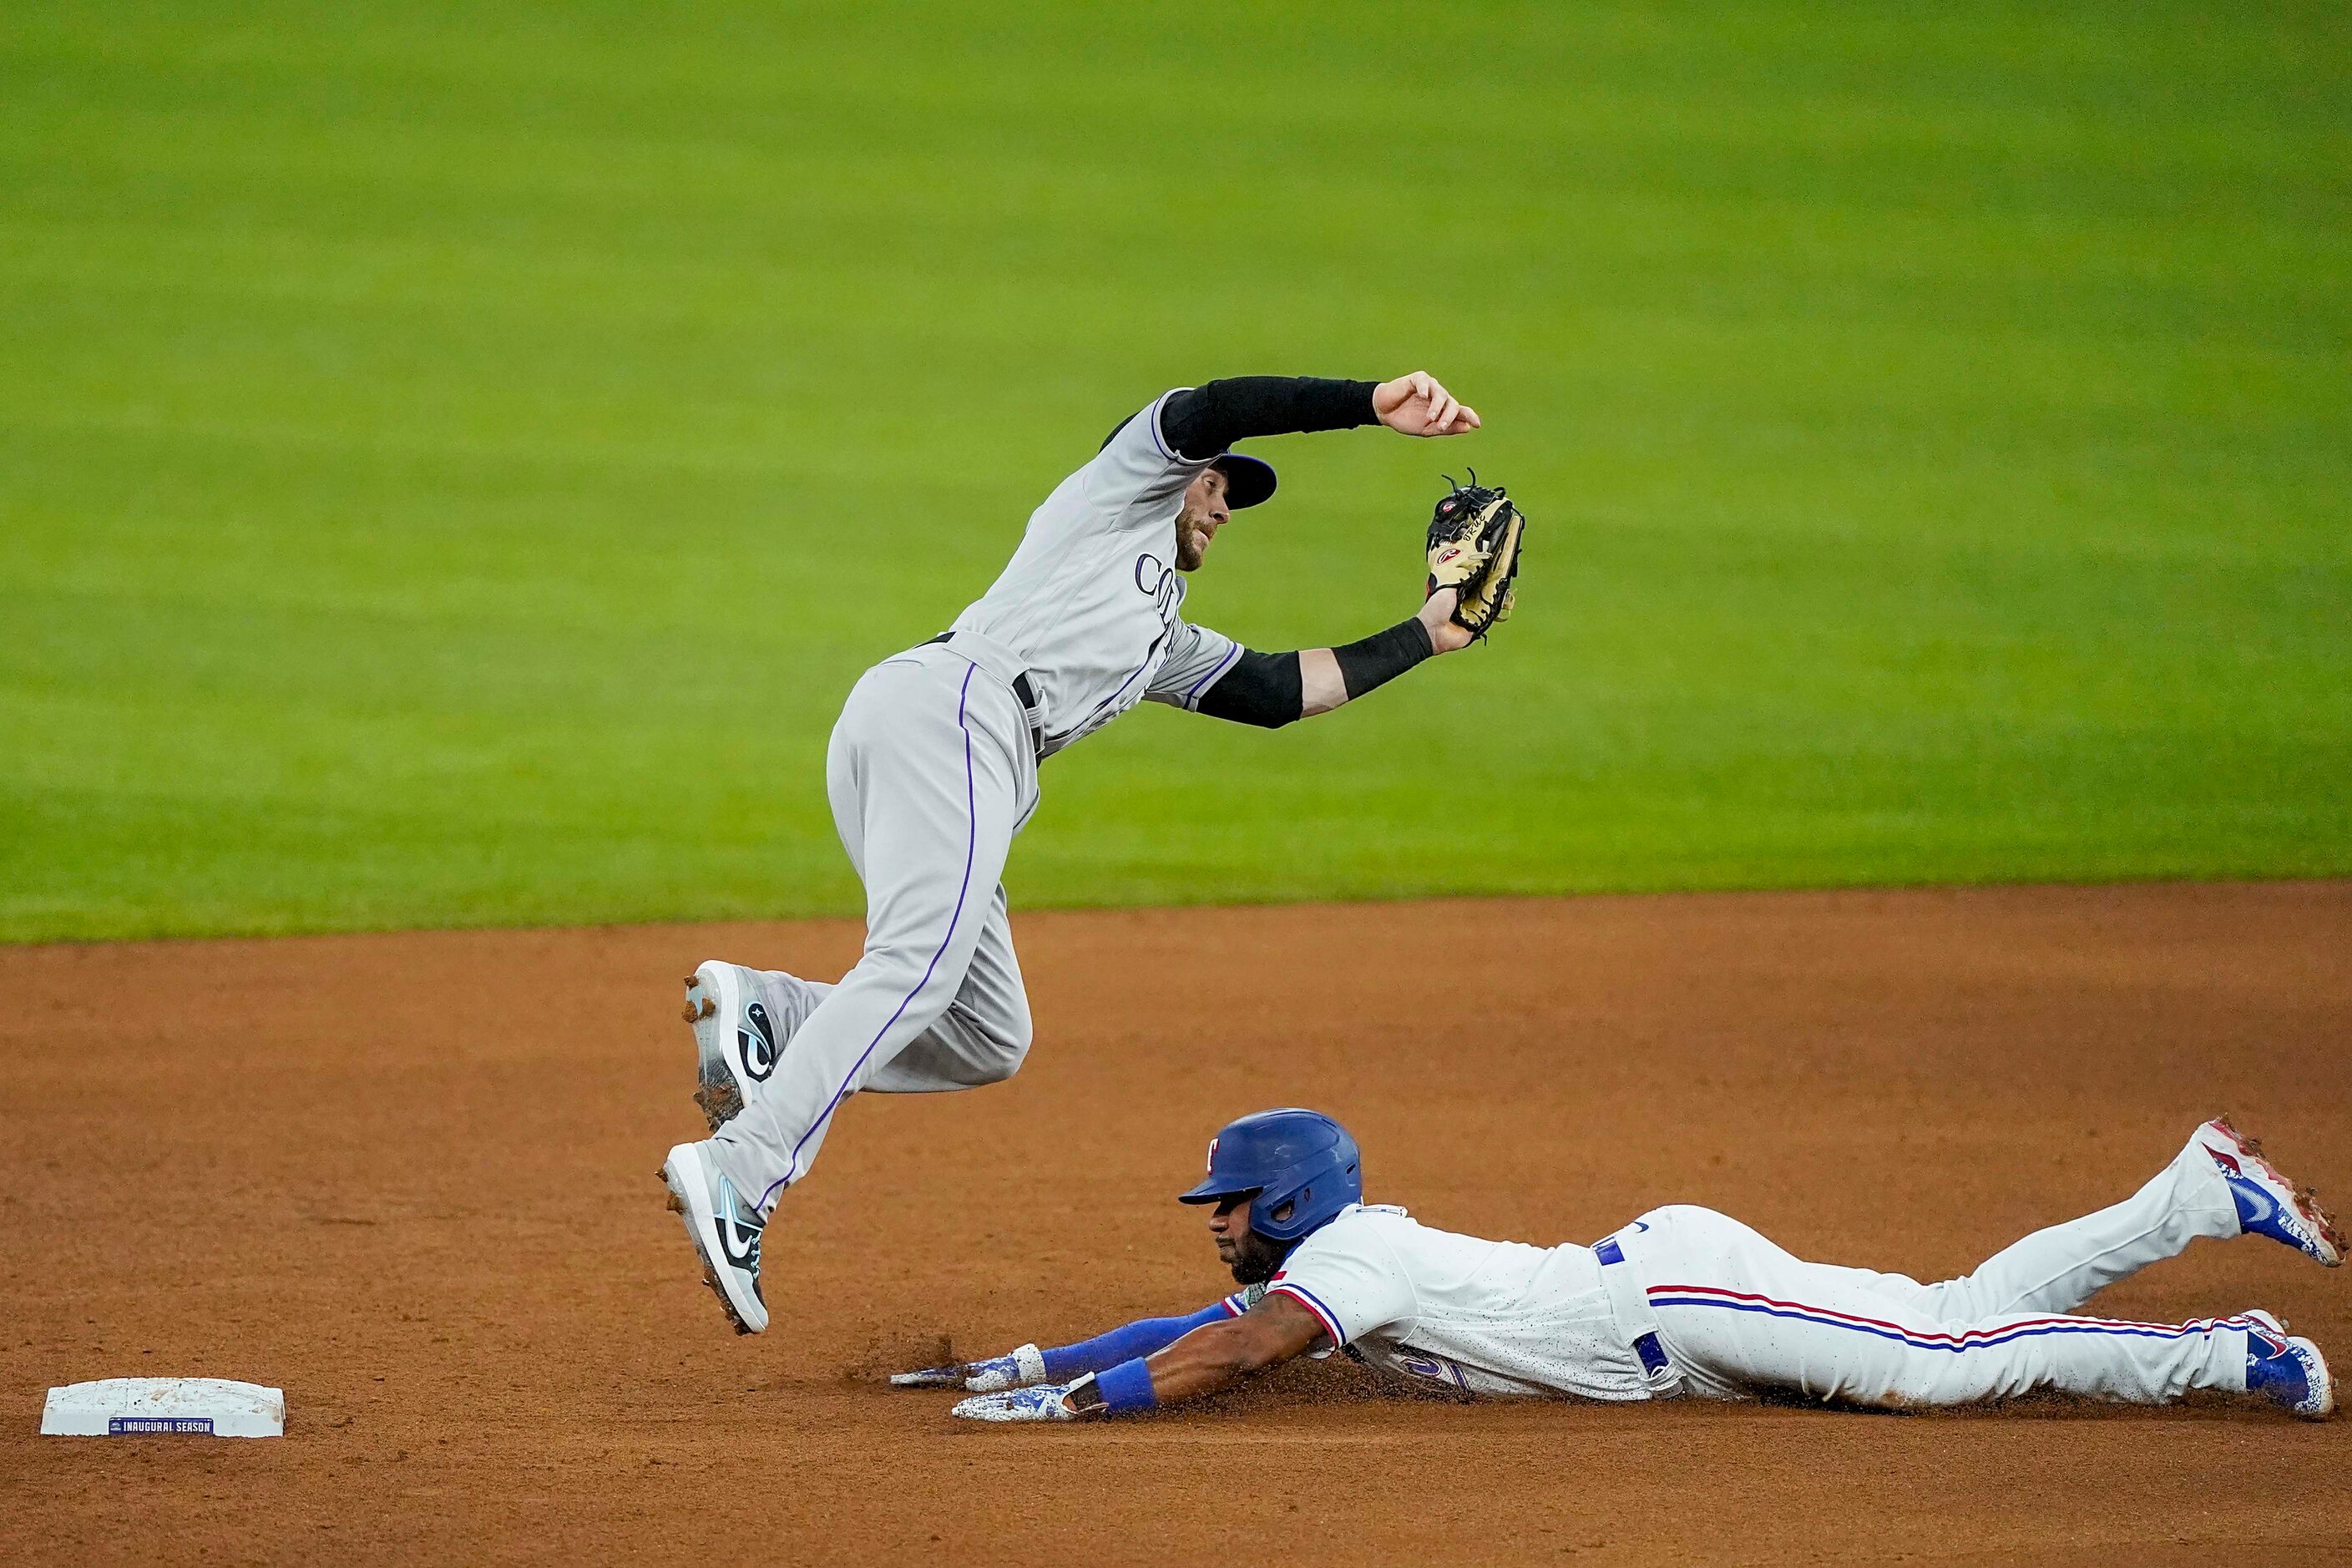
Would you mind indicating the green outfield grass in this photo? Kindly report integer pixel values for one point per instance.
(452, 460)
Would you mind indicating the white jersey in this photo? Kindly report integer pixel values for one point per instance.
(1089, 601)
(1485, 1317)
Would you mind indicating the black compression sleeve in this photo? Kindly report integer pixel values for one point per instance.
(1262, 689)
(1203, 421)
(1382, 656)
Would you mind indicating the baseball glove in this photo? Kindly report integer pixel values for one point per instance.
(1473, 548)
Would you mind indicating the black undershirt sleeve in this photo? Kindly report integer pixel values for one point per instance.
(1382, 656)
(1262, 689)
(1203, 421)
(1268, 690)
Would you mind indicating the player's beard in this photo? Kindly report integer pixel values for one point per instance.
(1255, 1257)
(1191, 545)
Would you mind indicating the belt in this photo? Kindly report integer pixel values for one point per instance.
(1634, 1319)
(987, 654)
(1021, 687)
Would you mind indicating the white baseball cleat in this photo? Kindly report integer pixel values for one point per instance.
(736, 1041)
(725, 1231)
(2268, 1203)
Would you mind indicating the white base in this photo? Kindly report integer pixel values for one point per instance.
(206, 1407)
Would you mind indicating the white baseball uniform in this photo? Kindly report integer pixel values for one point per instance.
(1688, 1302)
(933, 769)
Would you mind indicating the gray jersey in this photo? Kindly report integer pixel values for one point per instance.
(1091, 598)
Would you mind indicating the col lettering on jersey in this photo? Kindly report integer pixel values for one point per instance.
(1092, 600)
(1486, 1317)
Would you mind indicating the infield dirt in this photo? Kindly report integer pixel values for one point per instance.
(411, 1179)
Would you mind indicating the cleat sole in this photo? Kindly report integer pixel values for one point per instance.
(717, 1094)
(720, 1103)
(2307, 1206)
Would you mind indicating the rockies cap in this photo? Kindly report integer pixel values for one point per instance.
(1248, 480)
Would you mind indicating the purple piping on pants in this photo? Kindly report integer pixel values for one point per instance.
(971, 851)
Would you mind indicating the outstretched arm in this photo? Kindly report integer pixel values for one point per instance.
(1271, 689)
(1029, 1365)
(1205, 1360)
(1201, 1363)
(1203, 421)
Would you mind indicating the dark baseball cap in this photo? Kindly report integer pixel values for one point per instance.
(1248, 480)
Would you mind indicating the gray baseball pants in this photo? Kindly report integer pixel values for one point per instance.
(930, 771)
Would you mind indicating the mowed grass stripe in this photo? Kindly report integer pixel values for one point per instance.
(456, 461)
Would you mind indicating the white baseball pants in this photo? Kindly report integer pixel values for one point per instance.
(1739, 1316)
(930, 771)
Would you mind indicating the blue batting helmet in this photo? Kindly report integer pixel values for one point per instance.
(1301, 1160)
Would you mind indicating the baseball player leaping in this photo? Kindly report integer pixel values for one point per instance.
(933, 768)
(1684, 1302)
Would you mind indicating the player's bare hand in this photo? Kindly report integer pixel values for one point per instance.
(1416, 404)
(1016, 1369)
(1437, 619)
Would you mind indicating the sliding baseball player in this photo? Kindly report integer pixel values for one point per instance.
(1684, 1302)
(933, 769)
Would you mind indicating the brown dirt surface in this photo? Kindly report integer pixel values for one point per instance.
(411, 1179)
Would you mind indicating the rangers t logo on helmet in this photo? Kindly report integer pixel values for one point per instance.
(1299, 1169)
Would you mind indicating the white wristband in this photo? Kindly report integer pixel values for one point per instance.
(1031, 1360)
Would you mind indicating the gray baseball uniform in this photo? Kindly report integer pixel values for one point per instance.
(933, 769)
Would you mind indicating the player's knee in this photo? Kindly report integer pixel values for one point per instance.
(990, 1041)
(1008, 1047)
(998, 1069)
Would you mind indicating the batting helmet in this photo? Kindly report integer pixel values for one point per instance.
(1294, 1158)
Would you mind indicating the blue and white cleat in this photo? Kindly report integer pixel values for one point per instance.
(736, 1041)
(2288, 1370)
(725, 1231)
(2268, 1204)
